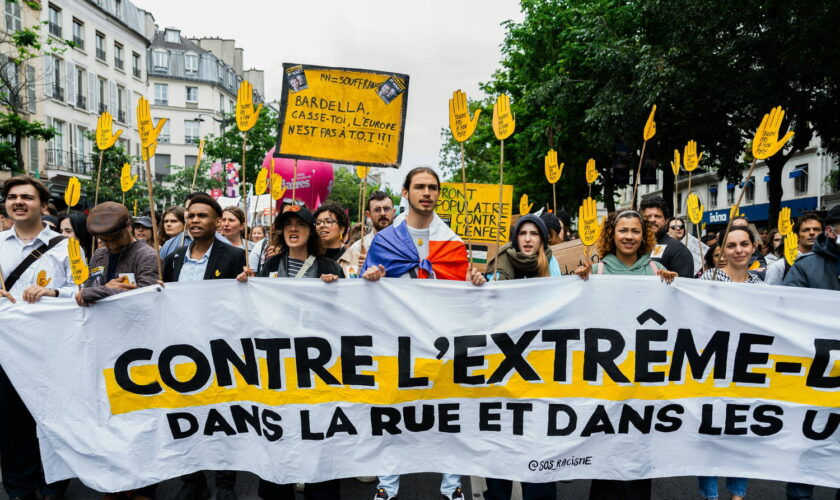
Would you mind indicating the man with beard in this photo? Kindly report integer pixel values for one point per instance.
(380, 210)
(669, 252)
(807, 228)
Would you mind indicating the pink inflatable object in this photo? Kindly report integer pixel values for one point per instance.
(314, 179)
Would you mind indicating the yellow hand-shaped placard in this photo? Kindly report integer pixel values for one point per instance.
(362, 172)
(690, 158)
(591, 171)
(695, 209)
(148, 131)
(126, 179)
(503, 120)
(791, 247)
(675, 164)
(277, 187)
(78, 267)
(650, 126)
(766, 142)
(42, 279)
(553, 171)
(734, 211)
(785, 225)
(72, 192)
(104, 137)
(524, 206)
(262, 182)
(460, 123)
(588, 226)
(246, 115)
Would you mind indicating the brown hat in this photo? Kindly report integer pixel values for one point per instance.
(108, 218)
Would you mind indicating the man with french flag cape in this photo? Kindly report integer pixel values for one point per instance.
(419, 245)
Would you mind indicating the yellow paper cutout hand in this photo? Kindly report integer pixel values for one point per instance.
(503, 120)
(148, 131)
(72, 192)
(755, 265)
(460, 123)
(262, 182)
(695, 209)
(277, 187)
(126, 179)
(785, 225)
(588, 225)
(591, 171)
(42, 279)
(78, 267)
(553, 172)
(650, 126)
(766, 142)
(675, 164)
(104, 137)
(362, 172)
(791, 247)
(733, 211)
(690, 158)
(524, 206)
(246, 115)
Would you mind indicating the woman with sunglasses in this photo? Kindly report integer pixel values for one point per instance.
(331, 223)
(678, 230)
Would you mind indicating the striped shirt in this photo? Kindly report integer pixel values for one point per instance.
(294, 266)
(715, 274)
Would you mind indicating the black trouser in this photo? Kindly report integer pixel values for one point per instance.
(328, 490)
(19, 456)
(500, 489)
(604, 489)
(224, 479)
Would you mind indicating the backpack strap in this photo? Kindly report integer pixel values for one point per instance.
(34, 255)
(653, 266)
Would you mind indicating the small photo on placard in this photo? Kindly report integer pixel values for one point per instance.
(297, 79)
(390, 89)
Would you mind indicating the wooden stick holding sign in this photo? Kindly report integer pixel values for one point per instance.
(766, 143)
(675, 167)
(647, 134)
(462, 128)
(246, 118)
(149, 133)
(588, 226)
(277, 190)
(104, 140)
(504, 122)
(553, 172)
(197, 164)
(695, 215)
(362, 173)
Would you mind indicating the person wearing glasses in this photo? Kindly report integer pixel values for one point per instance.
(380, 210)
(678, 230)
(331, 223)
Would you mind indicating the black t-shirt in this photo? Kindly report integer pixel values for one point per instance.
(335, 253)
(113, 261)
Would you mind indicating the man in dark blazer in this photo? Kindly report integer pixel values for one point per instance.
(206, 258)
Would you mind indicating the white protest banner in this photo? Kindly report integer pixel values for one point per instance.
(536, 380)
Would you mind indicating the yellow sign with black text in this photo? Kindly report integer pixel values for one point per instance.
(483, 210)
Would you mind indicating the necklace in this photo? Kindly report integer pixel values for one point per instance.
(420, 242)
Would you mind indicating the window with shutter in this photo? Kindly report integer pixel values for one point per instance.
(31, 95)
(70, 76)
(48, 76)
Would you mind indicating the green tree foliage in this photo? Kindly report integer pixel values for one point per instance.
(109, 184)
(583, 75)
(228, 147)
(177, 185)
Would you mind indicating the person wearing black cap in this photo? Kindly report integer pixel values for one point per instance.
(121, 257)
(820, 269)
(143, 229)
(527, 254)
(556, 233)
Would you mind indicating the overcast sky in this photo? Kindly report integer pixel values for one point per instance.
(441, 45)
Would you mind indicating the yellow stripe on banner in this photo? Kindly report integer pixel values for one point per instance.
(780, 387)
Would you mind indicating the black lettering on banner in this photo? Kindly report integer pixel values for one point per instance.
(487, 416)
(830, 428)
(599, 422)
(217, 423)
(405, 362)
(514, 360)
(822, 360)
(561, 339)
(735, 414)
(340, 423)
(768, 415)
(316, 365)
(273, 431)
(667, 421)
(463, 361)
(224, 356)
(685, 350)
(426, 422)
(629, 416)
(593, 358)
(384, 419)
(645, 355)
(202, 368)
(306, 428)
(122, 373)
(707, 418)
(744, 357)
(519, 410)
(272, 348)
(447, 416)
(179, 432)
(350, 361)
(243, 418)
(554, 410)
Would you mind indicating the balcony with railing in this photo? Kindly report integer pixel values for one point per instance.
(81, 101)
(55, 30)
(58, 92)
(102, 108)
(80, 43)
(100, 54)
(121, 116)
(68, 161)
(191, 139)
(118, 63)
(138, 73)
(163, 139)
(161, 102)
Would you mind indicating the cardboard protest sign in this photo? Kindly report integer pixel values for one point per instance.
(675, 163)
(262, 182)
(524, 206)
(589, 228)
(765, 141)
(650, 125)
(246, 115)
(126, 179)
(460, 123)
(72, 192)
(278, 188)
(569, 255)
(591, 171)
(784, 224)
(78, 267)
(791, 247)
(690, 158)
(482, 210)
(504, 122)
(362, 172)
(695, 209)
(553, 171)
(342, 115)
(105, 138)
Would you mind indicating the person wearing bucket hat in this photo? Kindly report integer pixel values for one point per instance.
(527, 254)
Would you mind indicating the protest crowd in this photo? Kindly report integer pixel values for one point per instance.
(200, 241)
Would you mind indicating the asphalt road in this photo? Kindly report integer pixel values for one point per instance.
(424, 487)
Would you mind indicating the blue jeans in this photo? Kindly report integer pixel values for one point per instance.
(448, 484)
(709, 486)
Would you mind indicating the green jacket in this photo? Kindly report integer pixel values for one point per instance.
(610, 264)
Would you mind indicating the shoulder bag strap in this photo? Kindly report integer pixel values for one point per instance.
(305, 267)
(34, 255)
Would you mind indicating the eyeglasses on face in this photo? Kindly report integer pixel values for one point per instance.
(325, 222)
(677, 227)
